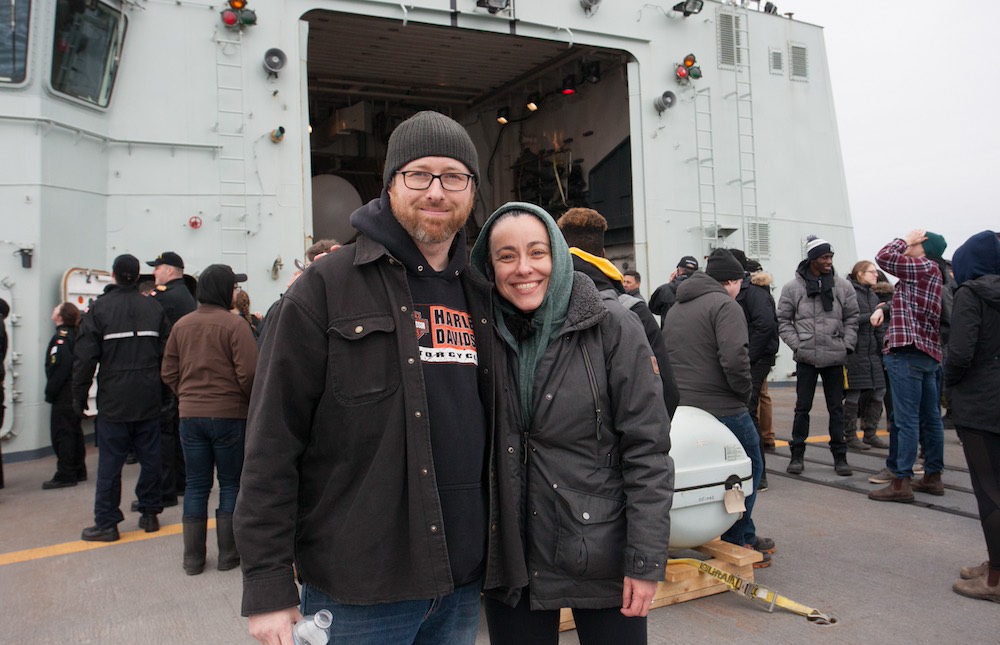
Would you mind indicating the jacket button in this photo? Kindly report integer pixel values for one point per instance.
(486, 370)
(586, 516)
(510, 449)
(410, 360)
(484, 321)
(420, 268)
(403, 308)
(418, 414)
(424, 471)
(640, 562)
(548, 396)
(434, 528)
(493, 528)
(534, 573)
(555, 485)
(358, 329)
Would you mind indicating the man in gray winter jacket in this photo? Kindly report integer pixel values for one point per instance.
(818, 320)
(706, 335)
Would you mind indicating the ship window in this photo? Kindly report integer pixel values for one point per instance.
(86, 50)
(729, 40)
(776, 60)
(799, 62)
(14, 40)
(759, 240)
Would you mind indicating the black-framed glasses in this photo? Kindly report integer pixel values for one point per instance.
(420, 180)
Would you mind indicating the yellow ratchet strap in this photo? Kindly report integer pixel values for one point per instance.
(755, 592)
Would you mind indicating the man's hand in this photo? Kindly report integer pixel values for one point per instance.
(877, 317)
(275, 627)
(637, 596)
(915, 237)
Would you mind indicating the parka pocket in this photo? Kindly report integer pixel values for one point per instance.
(592, 534)
(363, 365)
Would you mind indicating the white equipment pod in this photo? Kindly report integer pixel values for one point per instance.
(708, 459)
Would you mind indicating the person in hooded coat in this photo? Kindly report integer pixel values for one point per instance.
(972, 380)
(582, 442)
(209, 363)
(865, 375)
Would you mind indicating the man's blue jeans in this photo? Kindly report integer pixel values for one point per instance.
(916, 402)
(744, 532)
(211, 444)
(449, 620)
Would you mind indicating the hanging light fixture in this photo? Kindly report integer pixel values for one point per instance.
(503, 116)
(592, 72)
(568, 86)
(533, 101)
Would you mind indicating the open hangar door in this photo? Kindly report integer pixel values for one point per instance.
(366, 75)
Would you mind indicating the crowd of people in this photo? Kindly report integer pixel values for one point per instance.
(417, 426)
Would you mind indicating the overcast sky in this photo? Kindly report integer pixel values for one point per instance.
(916, 87)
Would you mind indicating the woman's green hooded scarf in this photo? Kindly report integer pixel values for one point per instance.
(544, 324)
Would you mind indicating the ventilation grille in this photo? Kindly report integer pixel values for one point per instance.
(800, 62)
(729, 40)
(759, 240)
(776, 61)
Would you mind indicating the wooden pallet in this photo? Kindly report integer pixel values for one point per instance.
(684, 582)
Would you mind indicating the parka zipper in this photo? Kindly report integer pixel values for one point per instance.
(593, 389)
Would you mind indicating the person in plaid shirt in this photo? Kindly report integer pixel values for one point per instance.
(912, 357)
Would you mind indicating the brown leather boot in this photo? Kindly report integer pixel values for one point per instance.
(968, 573)
(978, 588)
(930, 483)
(898, 490)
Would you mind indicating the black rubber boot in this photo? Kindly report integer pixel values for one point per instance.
(194, 545)
(796, 465)
(229, 557)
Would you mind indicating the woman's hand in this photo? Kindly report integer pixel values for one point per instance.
(877, 317)
(637, 596)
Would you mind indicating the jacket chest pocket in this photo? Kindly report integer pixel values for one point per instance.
(363, 365)
(591, 542)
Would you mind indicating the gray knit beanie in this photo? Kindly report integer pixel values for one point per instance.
(429, 134)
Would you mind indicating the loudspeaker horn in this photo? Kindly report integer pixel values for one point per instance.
(664, 101)
(274, 60)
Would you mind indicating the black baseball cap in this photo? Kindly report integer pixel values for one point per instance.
(688, 262)
(167, 257)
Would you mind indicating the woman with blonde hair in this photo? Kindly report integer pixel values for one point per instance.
(865, 377)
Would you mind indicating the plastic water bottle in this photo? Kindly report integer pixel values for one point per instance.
(313, 630)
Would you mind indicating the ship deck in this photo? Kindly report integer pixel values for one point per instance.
(883, 570)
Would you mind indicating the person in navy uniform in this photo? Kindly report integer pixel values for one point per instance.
(64, 425)
(177, 301)
(125, 333)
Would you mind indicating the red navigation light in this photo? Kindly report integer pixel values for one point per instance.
(682, 72)
(568, 86)
(229, 17)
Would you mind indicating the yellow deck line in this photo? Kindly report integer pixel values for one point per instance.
(78, 546)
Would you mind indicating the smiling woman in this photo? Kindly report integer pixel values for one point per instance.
(584, 386)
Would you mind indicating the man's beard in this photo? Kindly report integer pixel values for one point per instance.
(430, 230)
